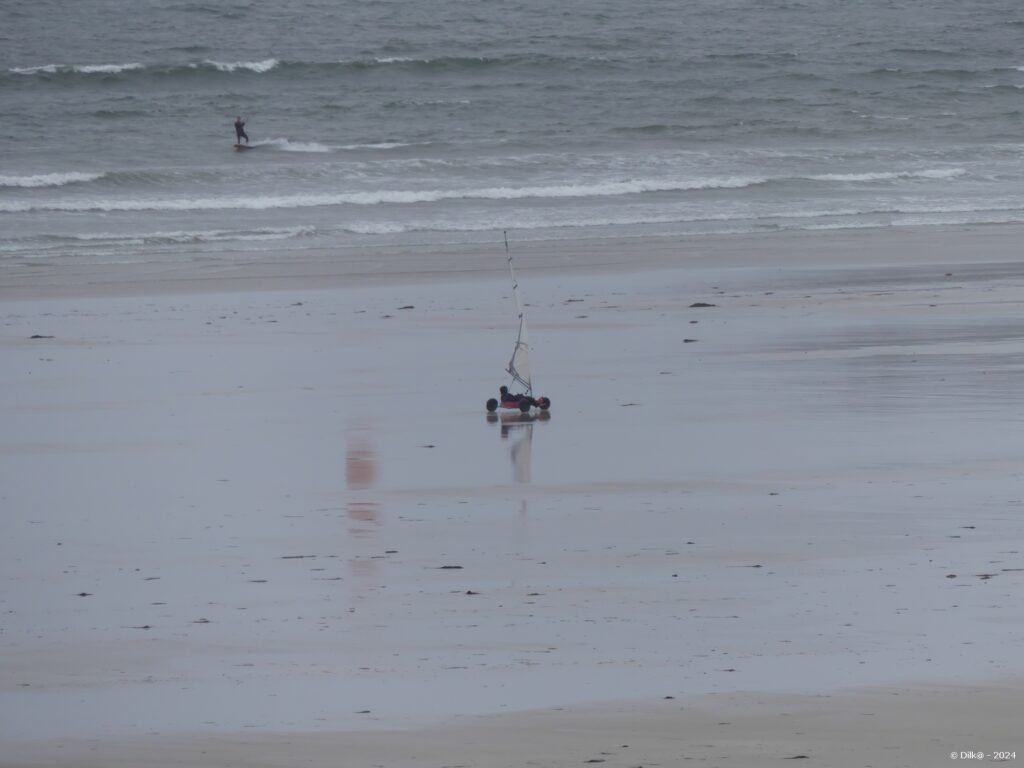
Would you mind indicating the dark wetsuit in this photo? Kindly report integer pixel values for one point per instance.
(240, 132)
(508, 397)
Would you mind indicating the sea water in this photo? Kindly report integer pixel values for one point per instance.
(402, 122)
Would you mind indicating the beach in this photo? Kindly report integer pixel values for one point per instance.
(256, 512)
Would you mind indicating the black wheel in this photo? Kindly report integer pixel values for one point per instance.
(524, 406)
(544, 403)
(492, 405)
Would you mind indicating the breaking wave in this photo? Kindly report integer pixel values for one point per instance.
(49, 179)
(939, 173)
(252, 66)
(259, 67)
(396, 196)
(47, 243)
(595, 189)
(79, 69)
(264, 66)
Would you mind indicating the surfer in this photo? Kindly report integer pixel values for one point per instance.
(240, 131)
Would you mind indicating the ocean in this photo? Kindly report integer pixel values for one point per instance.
(407, 122)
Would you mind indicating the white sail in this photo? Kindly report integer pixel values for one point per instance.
(519, 365)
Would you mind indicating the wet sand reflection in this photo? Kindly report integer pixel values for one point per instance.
(363, 511)
(518, 428)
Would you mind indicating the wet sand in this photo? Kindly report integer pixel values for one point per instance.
(921, 726)
(264, 513)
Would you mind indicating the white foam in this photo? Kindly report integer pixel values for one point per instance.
(285, 145)
(941, 173)
(199, 236)
(49, 69)
(84, 69)
(49, 179)
(253, 66)
(106, 69)
(224, 235)
(937, 173)
(379, 145)
(396, 196)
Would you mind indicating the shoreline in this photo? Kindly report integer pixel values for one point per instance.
(368, 266)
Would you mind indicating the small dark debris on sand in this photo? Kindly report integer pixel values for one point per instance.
(449, 567)
(701, 305)
(408, 306)
(41, 336)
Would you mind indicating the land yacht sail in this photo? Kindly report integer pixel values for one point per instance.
(519, 364)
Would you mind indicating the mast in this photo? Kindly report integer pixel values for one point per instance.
(519, 365)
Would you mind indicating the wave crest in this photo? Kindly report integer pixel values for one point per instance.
(393, 196)
(78, 69)
(263, 66)
(258, 67)
(49, 179)
(935, 173)
(233, 66)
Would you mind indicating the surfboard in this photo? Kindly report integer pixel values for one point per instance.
(240, 147)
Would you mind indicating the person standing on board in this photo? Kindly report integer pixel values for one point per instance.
(240, 131)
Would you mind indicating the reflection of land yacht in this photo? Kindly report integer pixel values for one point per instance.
(521, 425)
(516, 419)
